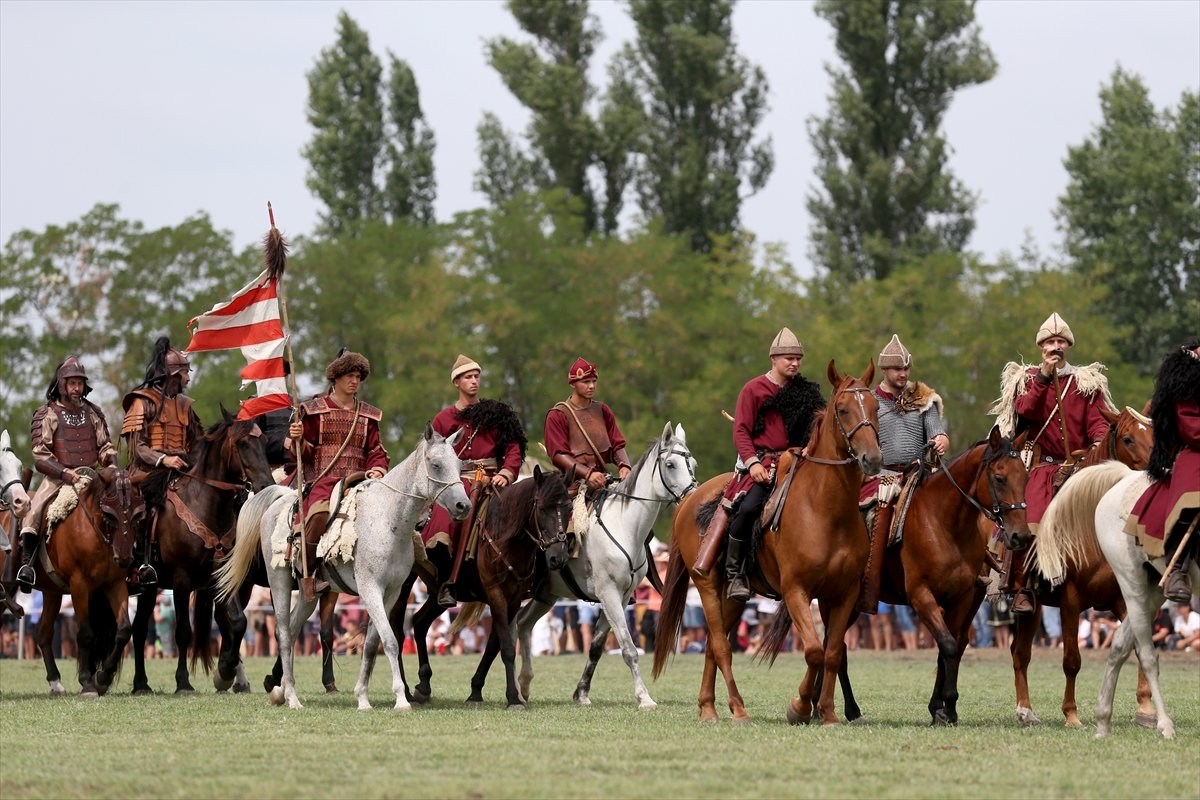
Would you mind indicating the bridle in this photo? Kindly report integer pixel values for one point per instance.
(997, 511)
(684, 453)
(234, 457)
(6, 489)
(865, 422)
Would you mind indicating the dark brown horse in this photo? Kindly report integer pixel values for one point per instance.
(1088, 582)
(818, 552)
(520, 523)
(195, 529)
(88, 555)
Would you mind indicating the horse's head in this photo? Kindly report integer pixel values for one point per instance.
(1131, 437)
(674, 463)
(549, 515)
(856, 412)
(12, 490)
(1001, 484)
(243, 451)
(122, 510)
(442, 470)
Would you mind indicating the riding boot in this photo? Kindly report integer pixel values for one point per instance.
(736, 587)
(25, 575)
(314, 529)
(1024, 602)
(710, 542)
(1178, 589)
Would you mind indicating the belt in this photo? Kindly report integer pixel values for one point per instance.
(488, 465)
(1050, 460)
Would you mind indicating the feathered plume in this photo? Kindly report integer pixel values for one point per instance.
(275, 249)
(157, 368)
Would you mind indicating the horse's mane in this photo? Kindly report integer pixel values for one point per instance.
(626, 486)
(508, 509)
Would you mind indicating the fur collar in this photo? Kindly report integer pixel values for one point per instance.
(1014, 382)
(919, 397)
(798, 403)
(500, 417)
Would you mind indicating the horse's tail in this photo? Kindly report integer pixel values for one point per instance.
(233, 570)
(1067, 532)
(468, 615)
(202, 615)
(670, 615)
(775, 636)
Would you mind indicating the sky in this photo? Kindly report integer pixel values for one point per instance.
(168, 109)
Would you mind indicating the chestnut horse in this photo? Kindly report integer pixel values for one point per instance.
(1087, 579)
(819, 551)
(228, 460)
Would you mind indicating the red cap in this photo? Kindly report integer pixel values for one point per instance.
(581, 370)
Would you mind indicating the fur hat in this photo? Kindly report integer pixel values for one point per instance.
(895, 355)
(582, 370)
(345, 363)
(463, 365)
(1055, 326)
(785, 343)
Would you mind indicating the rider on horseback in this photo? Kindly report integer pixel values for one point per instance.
(1171, 504)
(774, 412)
(491, 451)
(910, 419)
(160, 428)
(69, 432)
(340, 436)
(581, 433)
(1061, 403)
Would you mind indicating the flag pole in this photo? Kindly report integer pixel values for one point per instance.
(276, 257)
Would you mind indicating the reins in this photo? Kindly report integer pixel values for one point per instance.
(864, 422)
(998, 509)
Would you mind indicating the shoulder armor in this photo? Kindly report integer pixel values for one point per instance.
(314, 406)
(370, 412)
(152, 395)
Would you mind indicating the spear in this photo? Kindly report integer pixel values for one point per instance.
(275, 251)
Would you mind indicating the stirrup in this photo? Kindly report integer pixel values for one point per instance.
(445, 598)
(147, 576)
(25, 579)
(1023, 603)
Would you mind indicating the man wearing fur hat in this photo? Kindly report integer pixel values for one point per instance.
(491, 451)
(581, 433)
(1172, 502)
(1058, 404)
(160, 427)
(69, 432)
(338, 434)
(774, 412)
(910, 419)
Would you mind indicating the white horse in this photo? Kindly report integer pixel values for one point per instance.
(387, 513)
(12, 490)
(1104, 496)
(613, 558)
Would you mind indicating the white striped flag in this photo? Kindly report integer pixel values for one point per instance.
(249, 321)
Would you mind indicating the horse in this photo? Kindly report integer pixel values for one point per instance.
(614, 557)
(195, 529)
(88, 554)
(387, 513)
(14, 504)
(1087, 580)
(818, 551)
(1106, 494)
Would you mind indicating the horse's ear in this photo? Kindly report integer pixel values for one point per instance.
(1109, 415)
(835, 377)
(428, 432)
(453, 439)
(5, 442)
(537, 474)
(225, 414)
(995, 438)
(666, 434)
(869, 375)
(680, 436)
(1019, 442)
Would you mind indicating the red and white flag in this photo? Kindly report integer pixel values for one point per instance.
(249, 321)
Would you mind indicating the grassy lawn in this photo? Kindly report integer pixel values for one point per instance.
(238, 746)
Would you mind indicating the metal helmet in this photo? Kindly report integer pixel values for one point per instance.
(177, 362)
(70, 368)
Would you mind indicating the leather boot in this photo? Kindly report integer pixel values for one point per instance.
(314, 528)
(1178, 589)
(1024, 603)
(710, 542)
(26, 577)
(736, 587)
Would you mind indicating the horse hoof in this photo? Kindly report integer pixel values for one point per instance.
(739, 721)
(89, 694)
(142, 691)
(275, 697)
(269, 683)
(221, 684)
(1075, 722)
(419, 699)
(475, 704)
(1168, 732)
(363, 705)
(940, 719)
(647, 705)
(517, 707)
(858, 721)
(400, 709)
(1146, 720)
(331, 689)
(185, 691)
(241, 688)
(582, 700)
(794, 717)
(1026, 717)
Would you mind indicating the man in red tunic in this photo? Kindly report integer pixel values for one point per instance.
(338, 435)
(1172, 503)
(581, 433)
(1059, 405)
(491, 451)
(774, 411)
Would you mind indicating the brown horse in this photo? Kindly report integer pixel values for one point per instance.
(520, 523)
(1088, 582)
(195, 529)
(88, 555)
(818, 552)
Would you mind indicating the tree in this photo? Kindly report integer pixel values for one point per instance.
(410, 187)
(345, 109)
(1131, 216)
(886, 196)
(505, 170)
(700, 102)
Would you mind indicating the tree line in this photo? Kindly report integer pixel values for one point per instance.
(677, 307)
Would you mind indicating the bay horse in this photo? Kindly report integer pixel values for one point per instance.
(88, 554)
(14, 504)
(1106, 494)
(519, 523)
(194, 532)
(387, 513)
(818, 552)
(614, 557)
(1087, 581)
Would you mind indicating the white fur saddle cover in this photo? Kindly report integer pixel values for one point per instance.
(337, 543)
(64, 503)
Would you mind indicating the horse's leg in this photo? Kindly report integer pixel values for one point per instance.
(945, 689)
(231, 620)
(502, 612)
(85, 638)
(707, 699)
(396, 618)
(327, 605)
(595, 651)
(118, 601)
(853, 713)
(527, 617)
(51, 605)
(1071, 659)
(424, 617)
(1122, 645)
(183, 632)
(720, 615)
(367, 666)
(799, 605)
(485, 663)
(288, 623)
(839, 620)
(1021, 648)
(141, 620)
(614, 610)
(1146, 715)
(1139, 622)
(241, 684)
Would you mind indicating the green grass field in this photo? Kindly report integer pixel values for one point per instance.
(210, 745)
